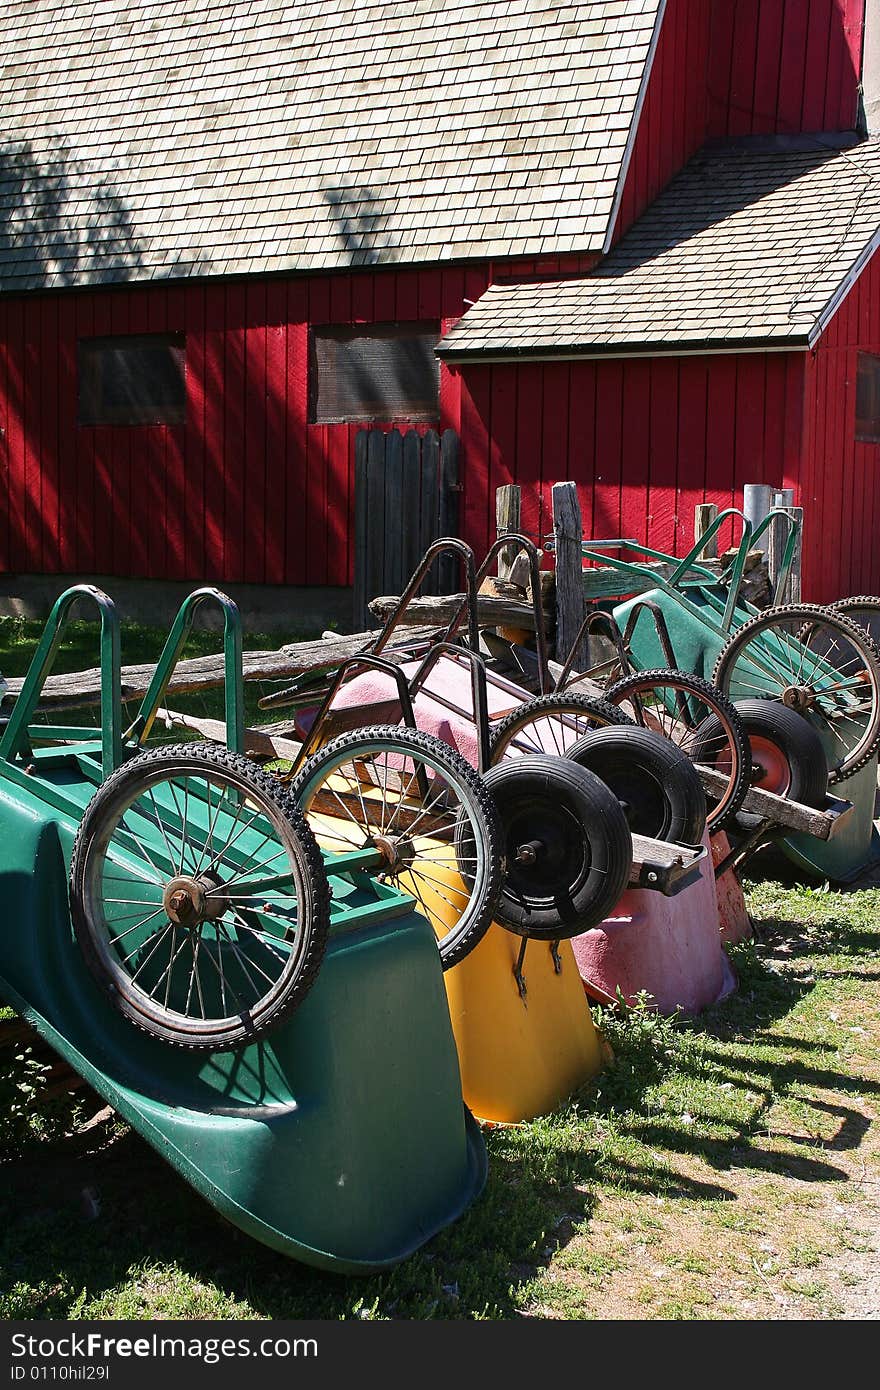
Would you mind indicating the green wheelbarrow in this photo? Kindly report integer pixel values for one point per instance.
(813, 661)
(270, 1017)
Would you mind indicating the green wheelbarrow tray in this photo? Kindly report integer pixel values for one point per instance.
(339, 1138)
(693, 625)
(701, 607)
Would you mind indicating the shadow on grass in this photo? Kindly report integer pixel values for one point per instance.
(156, 1249)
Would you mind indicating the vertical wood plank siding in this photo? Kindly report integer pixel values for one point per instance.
(782, 66)
(839, 491)
(644, 439)
(673, 120)
(246, 489)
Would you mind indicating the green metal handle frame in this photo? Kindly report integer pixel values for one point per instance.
(232, 660)
(16, 739)
(592, 550)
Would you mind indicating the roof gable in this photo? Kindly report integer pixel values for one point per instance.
(752, 245)
(173, 137)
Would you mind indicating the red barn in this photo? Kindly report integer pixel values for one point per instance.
(626, 242)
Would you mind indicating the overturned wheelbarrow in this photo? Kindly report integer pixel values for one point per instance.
(270, 1018)
(522, 1047)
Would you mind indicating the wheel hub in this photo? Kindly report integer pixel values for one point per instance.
(529, 851)
(190, 901)
(394, 850)
(798, 697)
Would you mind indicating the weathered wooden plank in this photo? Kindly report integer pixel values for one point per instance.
(661, 866)
(439, 608)
(607, 582)
(204, 672)
(375, 534)
(704, 515)
(396, 520)
(429, 508)
(361, 527)
(570, 599)
(447, 505)
(258, 740)
(779, 811)
(508, 511)
(778, 536)
(411, 547)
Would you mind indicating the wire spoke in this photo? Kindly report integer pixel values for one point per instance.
(117, 936)
(140, 844)
(157, 943)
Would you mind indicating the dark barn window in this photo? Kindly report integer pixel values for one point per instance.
(868, 398)
(380, 371)
(137, 380)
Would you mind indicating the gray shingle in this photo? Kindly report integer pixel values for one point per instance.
(751, 241)
(335, 110)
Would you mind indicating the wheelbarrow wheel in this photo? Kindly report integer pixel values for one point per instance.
(701, 722)
(568, 848)
(787, 754)
(550, 724)
(819, 663)
(863, 609)
(658, 788)
(424, 812)
(198, 896)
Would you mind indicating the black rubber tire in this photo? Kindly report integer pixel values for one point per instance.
(586, 856)
(477, 829)
(802, 616)
(659, 788)
(590, 709)
(863, 609)
(99, 822)
(769, 721)
(720, 727)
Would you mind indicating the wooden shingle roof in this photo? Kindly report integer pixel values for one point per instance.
(159, 138)
(751, 246)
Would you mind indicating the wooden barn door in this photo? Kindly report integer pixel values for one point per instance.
(405, 495)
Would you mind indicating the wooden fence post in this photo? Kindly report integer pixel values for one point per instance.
(704, 514)
(571, 604)
(508, 510)
(778, 535)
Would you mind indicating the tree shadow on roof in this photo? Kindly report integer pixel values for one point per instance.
(60, 223)
(360, 220)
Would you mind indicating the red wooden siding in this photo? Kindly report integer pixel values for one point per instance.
(672, 125)
(645, 439)
(839, 489)
(246, 490)
(782, 66)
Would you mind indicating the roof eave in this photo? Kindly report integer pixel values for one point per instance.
(833, 304)
(709, 347)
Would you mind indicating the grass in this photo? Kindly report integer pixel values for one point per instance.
(726, 1167)
(140, 643)
(723, 1167)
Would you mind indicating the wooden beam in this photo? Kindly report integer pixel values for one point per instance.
(508, 513)
(778, 810)
(437, 610)
(704, 515)
(571, 608)
(778, 535)
(80, 688)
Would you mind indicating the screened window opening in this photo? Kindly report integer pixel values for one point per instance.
(386, 371)
(137, 380)
(868, 398)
